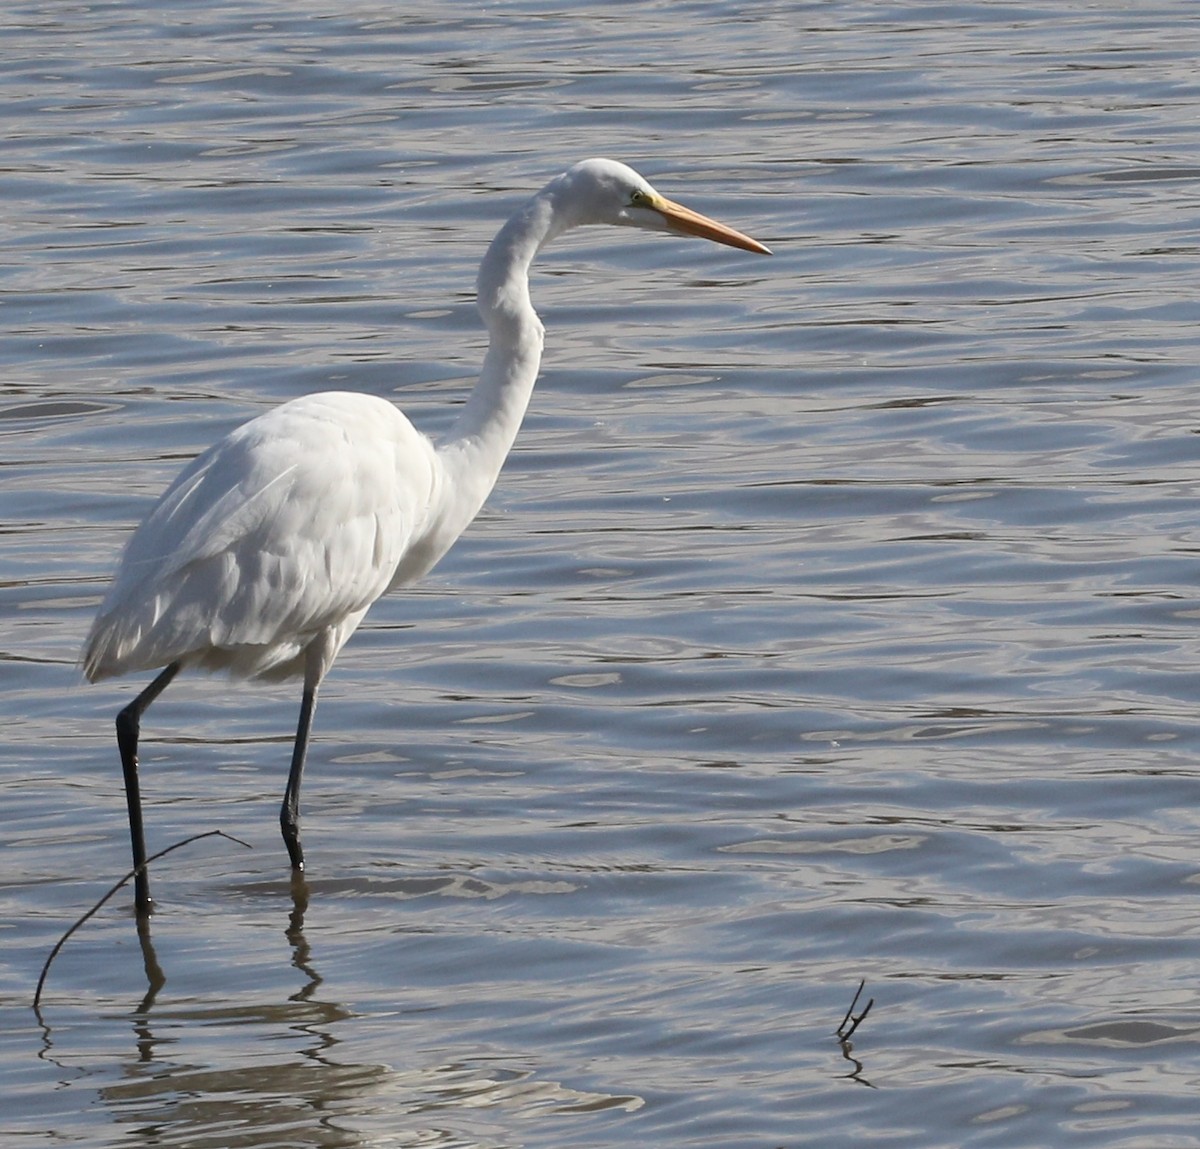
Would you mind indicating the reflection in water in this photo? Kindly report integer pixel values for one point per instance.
(847, 1029)
(301, 951)
(202, 1106)
(175, 1102)
(181, 1088)
(155, 980)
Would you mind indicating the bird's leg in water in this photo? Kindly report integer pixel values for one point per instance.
(129, 723)
(289, 812)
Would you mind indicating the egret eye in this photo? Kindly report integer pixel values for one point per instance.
(639, 199)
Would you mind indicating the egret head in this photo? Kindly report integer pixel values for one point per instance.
(605, 191)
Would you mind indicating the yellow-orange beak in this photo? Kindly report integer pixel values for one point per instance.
(680, 218)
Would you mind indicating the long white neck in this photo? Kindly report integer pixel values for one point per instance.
(481, 437)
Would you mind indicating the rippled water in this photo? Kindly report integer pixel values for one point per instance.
(834, 619)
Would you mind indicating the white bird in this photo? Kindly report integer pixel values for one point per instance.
(266, 552)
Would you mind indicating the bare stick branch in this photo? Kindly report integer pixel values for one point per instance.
(843, 1030)
(37, 997)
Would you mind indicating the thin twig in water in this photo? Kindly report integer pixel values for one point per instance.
(37, 997)
(844, 1031)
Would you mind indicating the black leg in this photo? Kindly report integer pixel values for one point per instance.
(128, 726)
(289, 812)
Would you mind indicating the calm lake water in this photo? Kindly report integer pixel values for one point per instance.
(835, 618)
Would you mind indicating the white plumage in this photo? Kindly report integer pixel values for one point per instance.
(282, 533)
(266, 552)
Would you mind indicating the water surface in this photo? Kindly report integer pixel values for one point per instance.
(833, 619)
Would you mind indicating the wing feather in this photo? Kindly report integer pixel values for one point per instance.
(292, 524)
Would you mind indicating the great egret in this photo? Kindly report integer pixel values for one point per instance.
(265, 553)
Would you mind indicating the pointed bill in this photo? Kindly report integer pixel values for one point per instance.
(680, 218)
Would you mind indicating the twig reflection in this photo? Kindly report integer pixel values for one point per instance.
(845, 1031)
